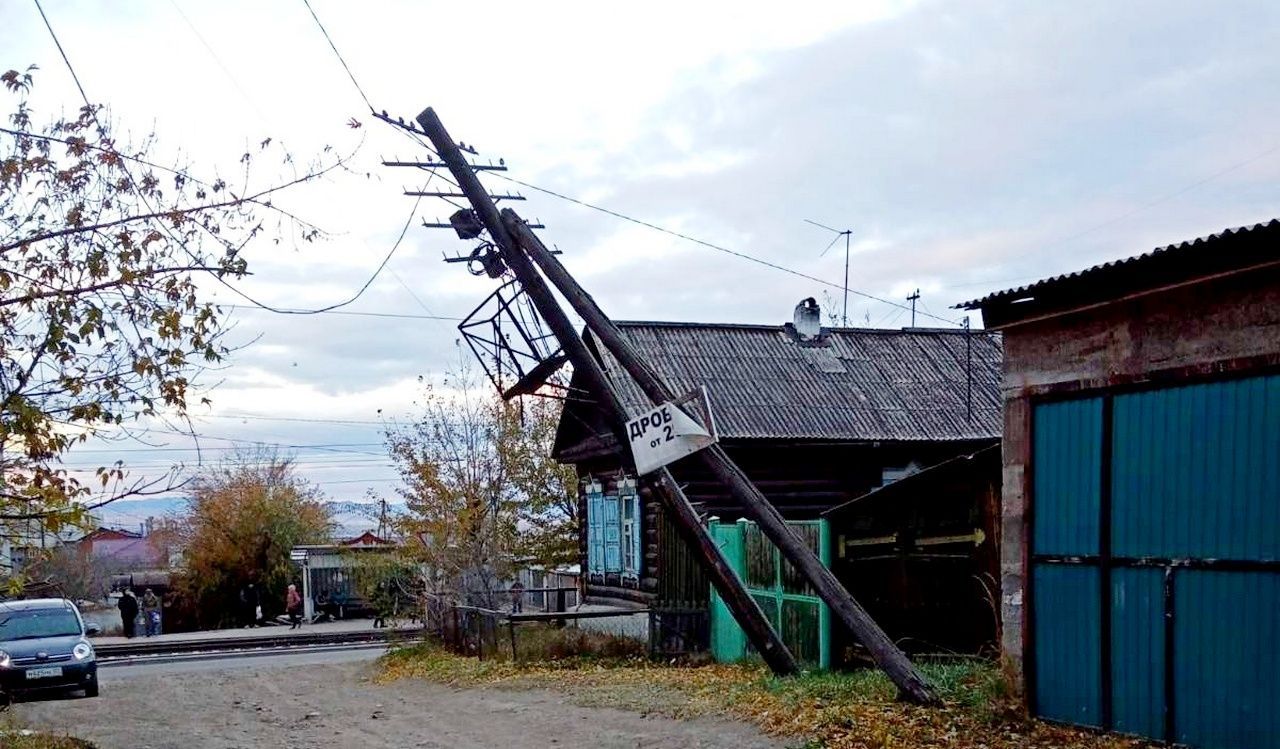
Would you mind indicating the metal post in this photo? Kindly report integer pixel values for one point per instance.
(886, 654)
(308, 606)
(745, 609)
(845, 312)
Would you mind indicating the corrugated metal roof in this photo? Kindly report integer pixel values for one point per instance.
(1188, 256)
(857, 385)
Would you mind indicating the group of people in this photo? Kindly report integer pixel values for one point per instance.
(150, 606)
(249, 614)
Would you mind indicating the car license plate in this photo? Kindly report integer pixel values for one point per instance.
(44, 673)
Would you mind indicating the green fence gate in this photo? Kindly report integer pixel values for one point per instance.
(800, 617)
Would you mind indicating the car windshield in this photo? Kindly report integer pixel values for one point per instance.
(25, 625)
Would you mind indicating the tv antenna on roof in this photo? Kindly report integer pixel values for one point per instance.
(847, 233)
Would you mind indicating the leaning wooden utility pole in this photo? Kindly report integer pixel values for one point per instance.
(744, 607)
(886, 655)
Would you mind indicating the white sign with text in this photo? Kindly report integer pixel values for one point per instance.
(664, 435)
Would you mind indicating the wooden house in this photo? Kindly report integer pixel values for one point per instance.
(816, 417)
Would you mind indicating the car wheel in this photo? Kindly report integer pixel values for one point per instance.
(91, 690)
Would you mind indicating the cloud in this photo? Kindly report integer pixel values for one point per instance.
(968, 148)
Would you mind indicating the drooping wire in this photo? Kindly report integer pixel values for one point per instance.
(223, 281)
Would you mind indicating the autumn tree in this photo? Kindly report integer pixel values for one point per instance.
(462, 517)
(105, 258)
(546, 490)
(481, 490)
(243, 518)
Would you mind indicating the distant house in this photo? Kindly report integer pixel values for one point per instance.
(24, 540)
(816, 417)
(1141, 511)
(368, 538)
(102, 533)
(120, 549)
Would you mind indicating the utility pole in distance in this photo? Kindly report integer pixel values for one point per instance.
(744, 607)
(913, 298)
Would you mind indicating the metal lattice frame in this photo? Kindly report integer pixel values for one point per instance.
(506, 334)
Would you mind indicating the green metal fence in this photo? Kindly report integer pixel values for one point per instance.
(787, 599)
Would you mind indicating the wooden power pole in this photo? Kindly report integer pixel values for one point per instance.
(744, 607)
(886, 654)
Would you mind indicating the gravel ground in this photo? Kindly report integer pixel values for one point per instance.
(336, 706)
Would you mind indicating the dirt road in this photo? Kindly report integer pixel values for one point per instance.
(336, 706)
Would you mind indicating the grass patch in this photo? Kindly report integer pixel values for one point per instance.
(14, 736)
(821, 709)
(18, 739)
(546, 643)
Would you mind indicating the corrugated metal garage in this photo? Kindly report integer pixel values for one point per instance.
(1140, 562)
(1155, 551)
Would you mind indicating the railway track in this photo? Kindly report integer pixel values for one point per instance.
(114, 652)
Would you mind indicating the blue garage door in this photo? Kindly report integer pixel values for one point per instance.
(1156, 563)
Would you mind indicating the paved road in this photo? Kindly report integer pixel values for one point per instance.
(326, 700)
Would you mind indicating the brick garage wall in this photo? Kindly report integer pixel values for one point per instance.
(1194, 332)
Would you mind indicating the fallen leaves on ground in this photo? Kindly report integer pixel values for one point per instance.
(35, 740)
(855, 710)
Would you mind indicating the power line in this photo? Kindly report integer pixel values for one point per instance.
(355, 481)
(218, 60)
(334, 47)
(165, 449)
(1115, 219)
(1164, 198)
(304, 420)
(386, 259)
(102, 130)
(67, 60)
(415, 297)
(240, 441)
(711, 245)
(392, 315)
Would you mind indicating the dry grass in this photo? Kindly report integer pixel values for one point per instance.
(14, 736)
(823, 709)
(18, 739)
(545, 643)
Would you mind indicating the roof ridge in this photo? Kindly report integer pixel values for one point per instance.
(783, 327)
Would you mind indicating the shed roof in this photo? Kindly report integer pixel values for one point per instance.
(1228, 251)
(854, 384)
(986, 459)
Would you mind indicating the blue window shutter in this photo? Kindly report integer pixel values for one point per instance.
(612, 535)
(595, 531)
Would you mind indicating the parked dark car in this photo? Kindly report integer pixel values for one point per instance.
(44, 647)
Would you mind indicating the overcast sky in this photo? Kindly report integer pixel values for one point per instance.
(969, 147)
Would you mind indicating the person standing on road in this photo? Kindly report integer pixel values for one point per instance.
(517, 597)
(382, 604)
(151, 612)
(128, 606)
(293, 606)
(249, 605)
